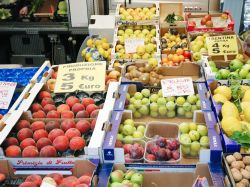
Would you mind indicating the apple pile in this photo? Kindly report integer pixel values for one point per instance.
(129, 130)
(207, 21)
(176, 59)
(50, 139)
(162, 149)
(131, 178)
(97, 49)
(193, 138)
(146, 13)
(56, 180)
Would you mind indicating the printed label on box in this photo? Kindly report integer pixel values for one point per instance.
(7, 90)
(177, 87)
(132, 43)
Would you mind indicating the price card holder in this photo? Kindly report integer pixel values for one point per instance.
(81, 76)
(7, 90)
(177, 87)
(132, 43)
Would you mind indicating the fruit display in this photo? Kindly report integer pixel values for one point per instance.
(164, 150)
(145, 103)
(175, 59)
(193, 137)
(123, 179)
(207, 21)
(238, 168)
(97, 49)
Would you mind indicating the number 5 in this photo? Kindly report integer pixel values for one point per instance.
(67, 86)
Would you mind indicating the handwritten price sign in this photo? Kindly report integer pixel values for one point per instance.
(132, 43)
(177, 87)
(7, 90)
(81, 76)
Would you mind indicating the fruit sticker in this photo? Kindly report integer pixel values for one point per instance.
(81, 76)
(222, 45)
(6, 93)
(131, 44)
(177, 87)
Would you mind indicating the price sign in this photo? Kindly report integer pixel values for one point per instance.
(81, 76)
(7, 90)
(132, 43)
(222, 45)
(177, 87)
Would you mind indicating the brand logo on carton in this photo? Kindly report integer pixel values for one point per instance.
(109, 154)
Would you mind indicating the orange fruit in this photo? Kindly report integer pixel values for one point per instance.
(176, 59)
(181, 58)
(164, 60)
(179, 51)
(170, 56)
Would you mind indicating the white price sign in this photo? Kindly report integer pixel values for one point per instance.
(132, 43)
(177, 87)
(7, 90)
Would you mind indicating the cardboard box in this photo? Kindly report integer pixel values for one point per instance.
(116, 155)
(15, 177)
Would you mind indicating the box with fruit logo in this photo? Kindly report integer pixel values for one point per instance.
(231, 105)
(211, 22)
(83, 172)
(137, 14)
(165, 145)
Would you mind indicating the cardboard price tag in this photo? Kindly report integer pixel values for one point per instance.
(7, 90)
(81, 76)
(222, 45)
(132, 43)
(177, 87)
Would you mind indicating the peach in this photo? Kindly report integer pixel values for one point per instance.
(22, 124)
(39, 114)
(36, 107)
(13, 151)
(41, 133)
(82, 114)
(91, 107)
(94, 114)
(27, 142)
(61, 143)
(77, 107)
(67, 124)
(71, 181)
(70, 101)
(28, 184)
(93, 124)
(2, 177)
(77, 143)
(10, 141)
(67, 114)
(50, 125)
(30, 151)
(63, 107)
(57, 177)
(48, 151)
(55, 133)
(53, 114)
(83, 126)
(72, 132)
(37, 179)
(87, 101)
(85, 179)
(51, 84)
(49, 107)
(46, 101)
(44, 94)
(24, 133)
(37, 125)
(42, 142)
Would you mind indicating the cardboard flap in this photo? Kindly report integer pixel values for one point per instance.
(199, 117)
(83, 167)
(202, 170)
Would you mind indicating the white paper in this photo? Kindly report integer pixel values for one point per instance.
(7, 90)
(177, 87)
(132, 43)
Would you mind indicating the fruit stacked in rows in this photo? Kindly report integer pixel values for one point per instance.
(162, 149)
(131, 178)
(129, 131)
(237, 69)
(207, 21)
(56, 179)
(193, 138)
(98, 49)
(145, 103)
(50, 139)
(146, 13)
(176, 59)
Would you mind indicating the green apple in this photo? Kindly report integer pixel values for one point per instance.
(180, 111)
(153, 114)
(129, 31)
(192, 126)
(188, 114)
(202, 129)
(187, 106)
(153, 107)
(197, 56)
(240, 57)
(160, 93)
(243, 73)
(120, 32)
(184, 127)
(132, 108)
(195, 146)
(128, 130)
(137, 134)
(171, 114)
(204, 141)
(192, 99)
(128, 139)
(154, 98)
(185, 139)
(194, 135)
(140, 50)
(137, 104)
(145, 101)
(171, 98)
(132, 100)
(161, 101)
(116, 176)
(144, 110)
(224, 73)
(185, 150)
(141, 128)
(129, 122)
(153, 62)
(121, 128)
(119, 137)
(137, 178)
(138, 96)
(145, 92)
(170, 105)
(137, 114)
(180, 101)
(162, 110)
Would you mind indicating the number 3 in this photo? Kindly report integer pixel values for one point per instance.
(68, 76)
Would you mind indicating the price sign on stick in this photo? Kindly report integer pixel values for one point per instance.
(222, 45)
(7, 90)
(177, 87)
(132, 43)
(81, 76)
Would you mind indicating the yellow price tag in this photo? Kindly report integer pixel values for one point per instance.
(81, 76)
(222, 45)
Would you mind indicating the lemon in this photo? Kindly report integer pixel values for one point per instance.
(244, 88)
(246, 96)
(245, 105)
(90, 42)
(247, 114)
(224, 90)
(219, 98)
(230, 125)
(229, 109)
